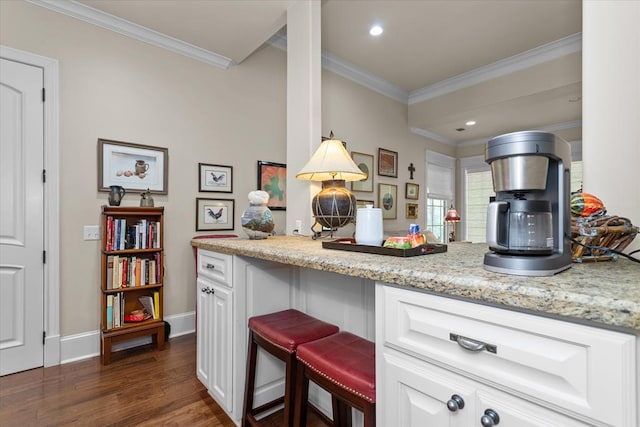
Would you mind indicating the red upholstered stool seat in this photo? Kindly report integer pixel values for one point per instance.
(279, 334)
(344, 365)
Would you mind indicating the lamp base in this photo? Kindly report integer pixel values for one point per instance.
(334, 206)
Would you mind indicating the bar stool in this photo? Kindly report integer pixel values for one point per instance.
(344, 365)
(279, 334)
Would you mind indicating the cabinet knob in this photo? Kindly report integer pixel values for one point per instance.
(490, 418)
(210, 266)
(456, 402)
(204, 290)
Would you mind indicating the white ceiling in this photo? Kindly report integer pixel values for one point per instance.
(508, 64)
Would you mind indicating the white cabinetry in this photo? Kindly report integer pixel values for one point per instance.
(232, 288)
(529, 370)
(214, 326)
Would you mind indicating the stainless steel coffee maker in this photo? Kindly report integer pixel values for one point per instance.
(527, 222)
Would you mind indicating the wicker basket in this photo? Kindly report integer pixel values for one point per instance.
(611, 232)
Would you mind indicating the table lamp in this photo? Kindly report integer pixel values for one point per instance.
(451, 218)
(334, 206)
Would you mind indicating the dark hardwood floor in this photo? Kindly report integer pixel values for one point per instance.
(141, 387)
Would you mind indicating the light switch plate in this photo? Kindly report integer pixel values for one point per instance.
(91, 232)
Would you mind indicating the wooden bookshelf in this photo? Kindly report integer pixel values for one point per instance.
(131, 269)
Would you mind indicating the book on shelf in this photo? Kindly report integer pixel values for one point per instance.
(158, 264)
(115, 273)
(109, 231)
(109, 283)
(109, 311)
(116, 310)
(156, 305)
(152, 272)
(138, 270)
(147, 303)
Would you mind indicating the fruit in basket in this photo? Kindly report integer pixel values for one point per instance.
(585, 204)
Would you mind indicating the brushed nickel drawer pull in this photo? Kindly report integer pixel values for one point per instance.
(472, 345)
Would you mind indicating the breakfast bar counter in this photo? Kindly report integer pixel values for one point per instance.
(538, 351)
(604, 294)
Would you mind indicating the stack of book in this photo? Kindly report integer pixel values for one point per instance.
(126, 272)
(143, 234)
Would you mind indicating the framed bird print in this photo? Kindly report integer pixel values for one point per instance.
(214, 214)
(272, 178)
(215, 178)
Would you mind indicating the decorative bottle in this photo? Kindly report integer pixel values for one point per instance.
(257, 219)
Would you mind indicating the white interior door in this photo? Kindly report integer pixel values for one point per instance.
(21, 217)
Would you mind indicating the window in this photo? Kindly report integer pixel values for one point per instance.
(479, 187)
(436, 209)
(440, 191)
(576, 175)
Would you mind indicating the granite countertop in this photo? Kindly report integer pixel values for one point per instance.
(605, 294)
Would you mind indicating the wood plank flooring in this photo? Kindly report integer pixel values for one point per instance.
(141, 387)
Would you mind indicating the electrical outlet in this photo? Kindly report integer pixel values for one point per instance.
(91, 232)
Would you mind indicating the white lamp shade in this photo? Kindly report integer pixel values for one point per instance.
(331, 161)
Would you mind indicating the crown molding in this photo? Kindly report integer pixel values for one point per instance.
(349, 71)
(432, 135)
(135, 31)
(521, 61)
(358, 75)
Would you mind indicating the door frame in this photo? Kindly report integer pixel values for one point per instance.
(51, 197)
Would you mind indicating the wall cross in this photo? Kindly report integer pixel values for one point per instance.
(411, 170)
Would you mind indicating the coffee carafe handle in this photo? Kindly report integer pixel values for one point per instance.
(495, 211)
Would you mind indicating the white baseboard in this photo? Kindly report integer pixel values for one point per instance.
(87, 344)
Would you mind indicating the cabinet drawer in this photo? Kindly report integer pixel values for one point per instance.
(586, 370)
(215, 266)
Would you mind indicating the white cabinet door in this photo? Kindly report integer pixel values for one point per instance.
(416, 394)
(220, 374)
(214, 341)
(203, 345)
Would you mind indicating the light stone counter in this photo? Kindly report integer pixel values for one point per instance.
(605, 294)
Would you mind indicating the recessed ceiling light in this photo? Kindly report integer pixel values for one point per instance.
(470, 123)
(376, 30)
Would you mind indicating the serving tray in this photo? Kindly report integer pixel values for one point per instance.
(349, 244)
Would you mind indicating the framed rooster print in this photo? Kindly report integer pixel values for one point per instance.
(215, 178)
(214, 214)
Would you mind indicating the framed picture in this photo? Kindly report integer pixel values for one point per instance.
(365, 163)
(272, 178)
(412, 211)
(411, 191)
(388, 200)
(214, 214)
(387, 163)
(215, 178)
(363, 203)
(132, 166)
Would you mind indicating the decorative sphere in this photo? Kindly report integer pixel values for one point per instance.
(334, 206)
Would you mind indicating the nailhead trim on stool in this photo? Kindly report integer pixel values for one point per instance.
(279, 334)
(344, 365)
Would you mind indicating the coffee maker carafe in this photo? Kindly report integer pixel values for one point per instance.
(527, 222)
